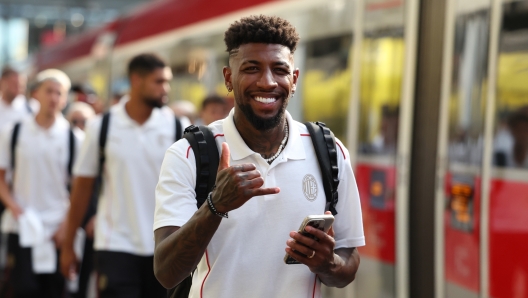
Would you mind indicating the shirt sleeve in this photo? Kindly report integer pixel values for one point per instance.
(348, 224)
(175, 194)
(87, 161)
(5, 144)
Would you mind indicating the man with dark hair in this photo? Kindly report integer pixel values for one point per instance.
(13, 104)
(236, 240)
(138, 134)
(213, 108)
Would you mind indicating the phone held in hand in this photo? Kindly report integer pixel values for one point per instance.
(321, 222)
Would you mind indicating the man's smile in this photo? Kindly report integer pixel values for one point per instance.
(265, 100)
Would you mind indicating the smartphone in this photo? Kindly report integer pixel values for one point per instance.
(321, 222)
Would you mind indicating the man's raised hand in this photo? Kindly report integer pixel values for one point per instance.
(236, 184)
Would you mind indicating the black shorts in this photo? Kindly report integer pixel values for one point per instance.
(124, 275)
(23, 281)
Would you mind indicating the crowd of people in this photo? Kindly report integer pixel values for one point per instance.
(113, 192)
(36, 193)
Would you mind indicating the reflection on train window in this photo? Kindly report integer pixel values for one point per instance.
(382, 66)
(197, 68)
(326, 82)
(468, 98)
(511, 121)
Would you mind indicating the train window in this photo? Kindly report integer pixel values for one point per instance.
(197, 64)
(326, 78)
(381, 80)
(511, 119)
(468, 96)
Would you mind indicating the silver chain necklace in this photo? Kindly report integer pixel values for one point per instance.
(281, 147)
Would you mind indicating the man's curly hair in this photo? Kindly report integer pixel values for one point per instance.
(261, 29)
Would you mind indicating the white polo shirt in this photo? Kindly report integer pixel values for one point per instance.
(245, 256)
(41, 170)
(134, 154)
(17, 110)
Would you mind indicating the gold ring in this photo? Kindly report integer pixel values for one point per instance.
(313, 254)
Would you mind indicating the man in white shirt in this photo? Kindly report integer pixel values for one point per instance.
(13, 103)
(37, 205)
(139, 133)
(266, 159)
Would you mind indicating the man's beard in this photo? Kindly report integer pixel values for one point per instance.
(154, 102)
(260, 123)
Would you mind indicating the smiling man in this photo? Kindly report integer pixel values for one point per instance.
(238, 238)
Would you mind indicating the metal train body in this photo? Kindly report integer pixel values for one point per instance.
(358, 62)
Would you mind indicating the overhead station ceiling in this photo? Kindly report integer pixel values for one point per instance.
(91, 12)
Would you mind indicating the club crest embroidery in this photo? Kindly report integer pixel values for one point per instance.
(309, 187)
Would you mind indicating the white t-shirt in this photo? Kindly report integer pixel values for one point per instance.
(245, 256)
(41, 170)
(134, 154)
(17, 110)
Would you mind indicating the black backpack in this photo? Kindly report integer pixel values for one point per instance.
(207, 159)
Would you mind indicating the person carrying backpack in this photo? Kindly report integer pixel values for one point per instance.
(40, 151)
(126, 148)
(268, 179)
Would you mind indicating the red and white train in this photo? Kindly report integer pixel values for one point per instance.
(430, 97)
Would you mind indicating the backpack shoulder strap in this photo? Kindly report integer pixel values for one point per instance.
(14, 139)
(103, 134)
(71, 148)
(206, 154)
(325, 148)
(178, 132)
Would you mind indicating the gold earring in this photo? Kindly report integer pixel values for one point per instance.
(228, 91)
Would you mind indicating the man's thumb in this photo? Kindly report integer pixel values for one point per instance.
(224, 157)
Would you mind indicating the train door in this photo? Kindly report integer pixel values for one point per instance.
(482, 154)
(462, 126)
(380, 138)
(506, 260)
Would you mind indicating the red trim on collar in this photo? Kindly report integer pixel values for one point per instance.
(188, 149)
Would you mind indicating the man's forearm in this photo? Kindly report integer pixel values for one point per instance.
(179, 252)
(344, 271)
(5, 195)
(80, 198)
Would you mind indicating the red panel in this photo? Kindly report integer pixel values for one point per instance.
(462, 251)
(74, 47)
(377, 204)
(509, 239)
(166, 15)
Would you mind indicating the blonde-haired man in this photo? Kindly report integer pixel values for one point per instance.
(40, 150)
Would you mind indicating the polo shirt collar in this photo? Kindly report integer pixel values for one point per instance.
(18, 102)
(123, 119)
(240, 150)
(294, 148)
(56, 128)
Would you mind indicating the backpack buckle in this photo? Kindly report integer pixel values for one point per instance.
(191, 128)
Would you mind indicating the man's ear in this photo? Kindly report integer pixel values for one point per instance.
(295, 78)
(134, 79)
(227, 78)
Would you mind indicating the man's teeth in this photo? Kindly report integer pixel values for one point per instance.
(265, 100)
